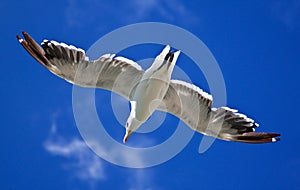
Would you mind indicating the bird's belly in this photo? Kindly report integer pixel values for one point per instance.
(148, 96)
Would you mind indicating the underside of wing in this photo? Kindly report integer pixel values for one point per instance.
(117, 74)
(188, 102)
(193, 106)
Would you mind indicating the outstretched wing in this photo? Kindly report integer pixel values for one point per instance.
(193, 106)
(117, 74)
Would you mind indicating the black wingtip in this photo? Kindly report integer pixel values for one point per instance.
(18, 37)
(25, 33)
(256, 137)
(33, 48)
(277, 139)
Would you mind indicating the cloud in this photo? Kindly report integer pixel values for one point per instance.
(85, 165)
(168, 9)
(141, 180)
(82, 13)
(82, 162)
(287, 12)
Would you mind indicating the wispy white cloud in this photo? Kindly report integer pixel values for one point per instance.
(82, 163)
(287, 12)
(80, 13)
(141, 180)
(85, 165)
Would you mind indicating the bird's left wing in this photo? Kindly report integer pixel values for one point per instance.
(117, 74)
(193, 106)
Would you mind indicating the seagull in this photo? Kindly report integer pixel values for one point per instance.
(147, 91)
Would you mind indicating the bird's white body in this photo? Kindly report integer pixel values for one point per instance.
(150, 91)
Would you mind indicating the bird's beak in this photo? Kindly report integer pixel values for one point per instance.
(127, 135)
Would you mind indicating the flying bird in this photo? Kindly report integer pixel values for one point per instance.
(147, 91)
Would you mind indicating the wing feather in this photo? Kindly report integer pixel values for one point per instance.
(193, 106)
(119, 75)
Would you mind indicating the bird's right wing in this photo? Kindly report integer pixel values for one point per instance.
(193, 106)
(117, 74)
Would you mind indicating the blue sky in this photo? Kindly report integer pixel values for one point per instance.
(256, 44)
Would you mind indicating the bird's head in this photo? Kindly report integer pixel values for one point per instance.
(132, 123)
